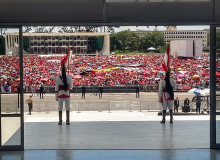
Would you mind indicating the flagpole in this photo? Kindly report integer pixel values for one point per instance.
(68, 65)
(68, 56)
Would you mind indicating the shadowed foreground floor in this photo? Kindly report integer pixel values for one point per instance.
(188, 154)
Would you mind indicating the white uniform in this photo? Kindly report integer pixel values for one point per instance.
(62, 95)
(164, 96)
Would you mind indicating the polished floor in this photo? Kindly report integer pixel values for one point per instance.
(116, 130)
(189, 154)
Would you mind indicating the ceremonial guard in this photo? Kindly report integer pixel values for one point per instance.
(166, 87)
(62, 92)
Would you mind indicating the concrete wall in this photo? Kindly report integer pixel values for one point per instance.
(106, 46)
(189, 49)
(181, 48)
(184, 48)
(198, 48)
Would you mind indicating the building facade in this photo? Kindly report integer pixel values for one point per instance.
(57, 43)
(172, 34)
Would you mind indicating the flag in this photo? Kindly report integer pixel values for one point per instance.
(68, 51)
(166, 63)
(64, 60)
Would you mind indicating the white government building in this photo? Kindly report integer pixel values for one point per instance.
(172, 34)
(57, 43)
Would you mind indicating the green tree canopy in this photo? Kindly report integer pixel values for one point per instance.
(124, 37)
(114, 43)
(154, 39)
(133, 43)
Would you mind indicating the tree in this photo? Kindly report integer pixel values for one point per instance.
(124, 38)
(114, 43)
(154, 39)
(141, 43)
(133, 43)
(217, 38)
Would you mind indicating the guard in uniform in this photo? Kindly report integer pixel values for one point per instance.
(166, 95)
(62, 92)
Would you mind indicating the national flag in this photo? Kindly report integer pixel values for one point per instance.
(166, 59)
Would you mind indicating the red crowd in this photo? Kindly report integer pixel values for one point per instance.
(108, 70)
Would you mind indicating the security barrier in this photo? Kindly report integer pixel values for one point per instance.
(48, 106)
(111, 89)
(90, 105)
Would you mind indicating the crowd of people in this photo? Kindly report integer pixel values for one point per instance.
(107, 70)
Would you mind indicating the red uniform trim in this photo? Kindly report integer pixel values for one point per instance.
(167, 99)
(61, 87)
(64, 96)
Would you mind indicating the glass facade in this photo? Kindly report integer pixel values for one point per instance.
(11, 105)
(10, 131)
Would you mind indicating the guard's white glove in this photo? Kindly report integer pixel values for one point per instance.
(160, 100)
(56, 96)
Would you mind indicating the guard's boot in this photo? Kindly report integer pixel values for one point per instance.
(67, 117)
(171, 116)
(164, 115)
(60, 118)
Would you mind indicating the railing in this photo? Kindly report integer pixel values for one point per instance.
(102, 105)
(115, 89)
(90, 105)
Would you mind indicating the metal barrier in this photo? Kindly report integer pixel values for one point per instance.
(95, 89)
(99, 106)
(150, 88)
(109, 89)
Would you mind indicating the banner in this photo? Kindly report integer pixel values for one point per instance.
(186, 86)
(14, 89)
